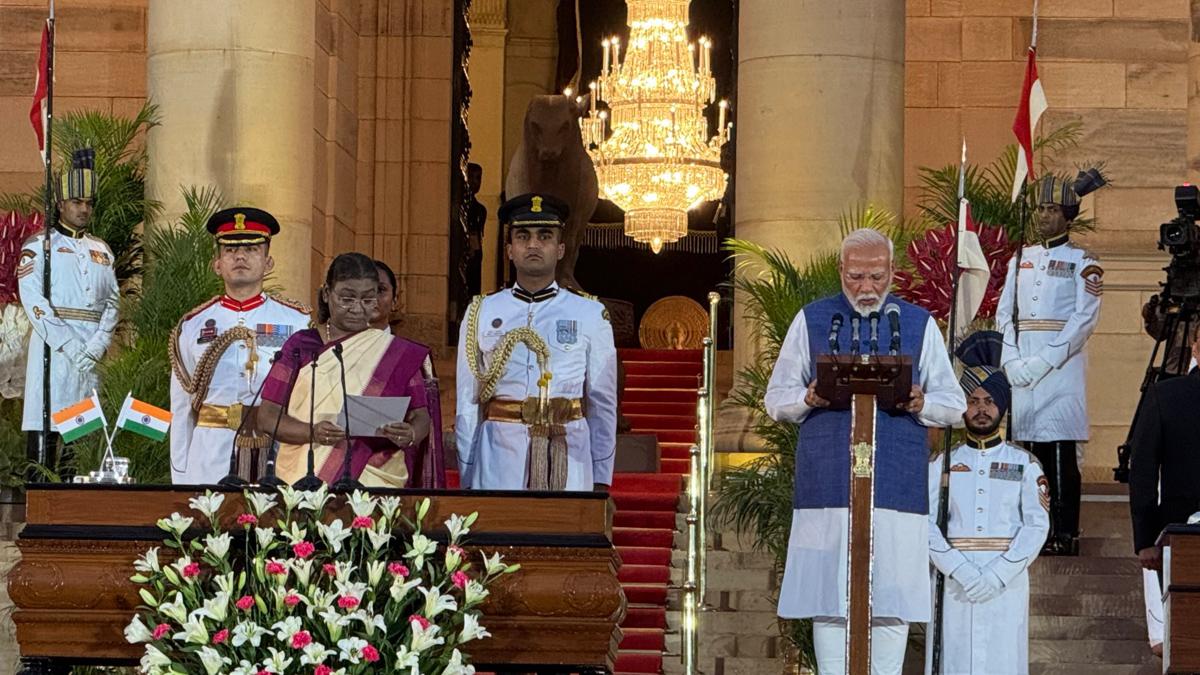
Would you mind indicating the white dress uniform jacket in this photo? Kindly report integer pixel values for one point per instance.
(200, 455)
(1059, 304)
(77, 320)
(814, 580)
(583, 362)
(999, 519)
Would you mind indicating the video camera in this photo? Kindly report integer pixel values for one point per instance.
(1181, 238)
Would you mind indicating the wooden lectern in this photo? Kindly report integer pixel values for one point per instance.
(1181, 598)
(862, 384)
(558, 614)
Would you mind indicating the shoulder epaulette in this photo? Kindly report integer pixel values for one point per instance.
(199, 308)
(581, 294)
(293, 304)
(32, 238)
(98, 240)
(1087, 253)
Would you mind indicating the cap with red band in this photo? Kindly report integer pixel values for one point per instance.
(242, 225)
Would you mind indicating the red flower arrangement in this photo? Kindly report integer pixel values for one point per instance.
(928, 284)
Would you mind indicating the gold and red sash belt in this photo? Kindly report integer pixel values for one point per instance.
(230, 417)
(1031, 325)
(75, 314)
(981, 543)
(562, 410)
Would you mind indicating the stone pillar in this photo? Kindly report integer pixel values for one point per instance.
(820, 126)
(234, 85)
(1193, 96)
(486, 120)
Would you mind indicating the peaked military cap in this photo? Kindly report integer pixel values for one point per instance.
(532, 210)
(242, 226)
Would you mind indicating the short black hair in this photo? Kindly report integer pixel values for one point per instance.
(387, 272)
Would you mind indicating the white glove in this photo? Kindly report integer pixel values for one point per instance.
(1018, 373)
(77, 355)
(1037, 367)
(988, 587)
(968, 577)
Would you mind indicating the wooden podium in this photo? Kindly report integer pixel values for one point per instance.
(1181, 598)
(558, 614)
(863, 384)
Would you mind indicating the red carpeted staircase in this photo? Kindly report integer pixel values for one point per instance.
(659, 398)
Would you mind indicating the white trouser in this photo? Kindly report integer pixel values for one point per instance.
(1154, 607)
(889, 641)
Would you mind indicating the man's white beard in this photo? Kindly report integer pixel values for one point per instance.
(865, 307)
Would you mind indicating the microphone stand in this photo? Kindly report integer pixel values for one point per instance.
(347, 482)
(874, 333)
(310, 481)
(269, 479)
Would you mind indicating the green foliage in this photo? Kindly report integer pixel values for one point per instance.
(121, 204)
(178, 272)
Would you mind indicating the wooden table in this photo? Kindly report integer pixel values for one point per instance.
(1181, 598)
(558, 614)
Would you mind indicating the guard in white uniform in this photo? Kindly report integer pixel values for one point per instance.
(79, 314)
(998, 520)
(1055, 298)
(221, 352)
(537, 368)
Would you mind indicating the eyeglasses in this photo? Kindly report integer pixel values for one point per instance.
(350, 303)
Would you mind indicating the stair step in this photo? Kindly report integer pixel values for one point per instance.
(655, 519)
(659, 395)
(1127, 566)
(1095, 669)
(1128, 605)
(644, 639)
(639, 662)
(681, 467)
(644, 555)
(1087, 627)
(675, 450)
(689, 355)
(645, 617)
(1110, 652)
(654, 501)
(1105, 547)
(644, 574)
(659, 408)
(1064, 584)
(646, 594)
(643, 537)
(673, 435)
(646, 482)
(662, 381)
(653, 423)
(662, 368)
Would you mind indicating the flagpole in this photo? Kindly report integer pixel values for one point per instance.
(943, 518)
(43, 453)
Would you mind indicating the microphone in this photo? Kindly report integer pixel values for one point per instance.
(347, 482)
(893, 314)
(874, 333)
(835, 325)
(232, 479)
(269, 479)
(855, 320)
(310, 481)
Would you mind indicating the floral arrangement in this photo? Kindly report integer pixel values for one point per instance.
(931, 256)
(287, 589)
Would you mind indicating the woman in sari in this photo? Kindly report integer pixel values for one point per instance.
(426, 461)
(376, 364)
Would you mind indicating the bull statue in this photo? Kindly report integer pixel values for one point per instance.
(552, 160)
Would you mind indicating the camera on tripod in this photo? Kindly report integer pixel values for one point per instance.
(1181, 236)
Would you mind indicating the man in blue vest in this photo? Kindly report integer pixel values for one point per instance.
(814, 582)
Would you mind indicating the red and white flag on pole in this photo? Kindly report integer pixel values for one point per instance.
(1033, 104)
(973, 268)
(37, 112)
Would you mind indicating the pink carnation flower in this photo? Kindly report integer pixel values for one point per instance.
(291, 600)
(303, 549)
(191, 570)
(347, 602)
(322, 670)
(301, 640)
(275, 567)
(419, 620)
(397, 569)
(370, 654)
(221, 636)
(462, 553)
(362, 523)
(160, 630)
(247, 519)
(460, 579)
(245, 602)
(329, 568)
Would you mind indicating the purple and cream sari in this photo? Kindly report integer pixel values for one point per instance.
(377, 364)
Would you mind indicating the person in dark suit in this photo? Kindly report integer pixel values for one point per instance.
(1164, 468)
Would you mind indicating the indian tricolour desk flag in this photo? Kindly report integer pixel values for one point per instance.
(145, 419)
(79, 419)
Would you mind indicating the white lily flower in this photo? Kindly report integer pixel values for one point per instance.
(295, 534)
(213, 662)
(344, 569)
(369, 621)
(319, 598)
(302, 570)
(315, 500)
(362, 503)
(284, 630)
(154, 658)
(421, 547)
(225, 583)
(264, 535)
(471, 629)
(354, 589)
(175, 524)
(408, 659)
(388, 506)
(436, 603)
(148, 563)
(137, 631)
(493, 565)
(400, 588)
(378, 539)
(207, 505)
(315, 654)
(334, 621)
(474, 593)
(260, 502)
(245, 668)
(334, 534)
(350, 649)
(457, 525)
(424, 638)
(194, 631)
(291, 496)
(180, 563)
(248, 631)
(218, 545)
(278, 662)
(175, 609)
(375, 570)
(456, 666)
(217, 607)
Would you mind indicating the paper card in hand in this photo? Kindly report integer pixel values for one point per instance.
(369, 413)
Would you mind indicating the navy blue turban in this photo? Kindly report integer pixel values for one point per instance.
(980, 356)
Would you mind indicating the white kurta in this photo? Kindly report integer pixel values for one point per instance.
(77, 321)
(200, 455)
(814, 580)
(994, 492)
(583, 361)
(1059, 301)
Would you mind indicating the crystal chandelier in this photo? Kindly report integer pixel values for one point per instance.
(659, 162)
